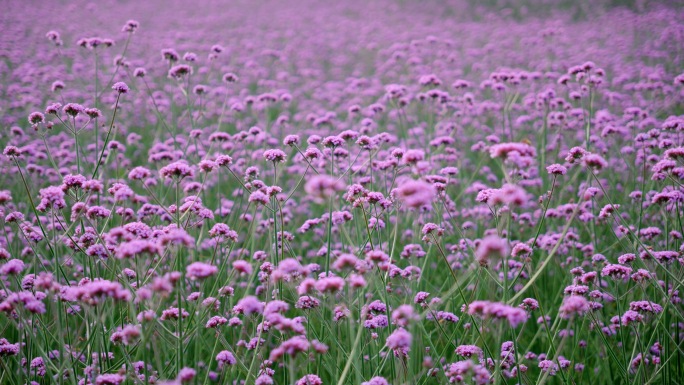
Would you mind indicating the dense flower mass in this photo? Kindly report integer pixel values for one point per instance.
(415, 193)
(354, 192)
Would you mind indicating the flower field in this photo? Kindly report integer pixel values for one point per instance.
(363, 193)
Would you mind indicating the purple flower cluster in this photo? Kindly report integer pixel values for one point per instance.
(341, 192)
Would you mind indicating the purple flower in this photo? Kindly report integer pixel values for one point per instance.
(248, 306)
(573, 305)
(309, 379)
(307, 302)
(275, 155)
(503, 150)
(530, 304)
(376, 381)
(486, 309)
(139, 173)
(421, 297)
(548, 366)
(489, 248)
(230, 78)
(73, 109)
(415, 194)
(290, 347)
(645, 307)
(179, 71)
(329, 284)
(120, 87)
(51, 198)
(399, 342)
(36, 118)
(225, 358)
(200, 270)
(131, 26)
(616, 271)
(110, 379)
(174, 313)
(556, 169)
(137, 247)
(186, 374)
(222, 230)
(12, 267)
(291, 140)
(468, 351)
(595, 161)
(322, 187)
(178, 170)
(8, 349)
(462, 370)
(259, 197)
(11, 151)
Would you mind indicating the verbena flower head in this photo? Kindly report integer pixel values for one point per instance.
(399, 342)
(486, 309)
(131, 26)
(73, 109)
(323, 187)
(180, 71)
(199, 270)
(574, 305)
(415, 194)
(275, 155)
(36, 118)
(491, 247)
(177, 170)
(120, 87)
